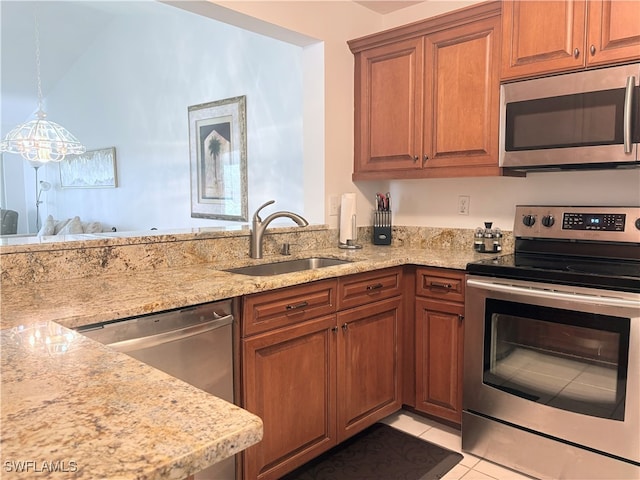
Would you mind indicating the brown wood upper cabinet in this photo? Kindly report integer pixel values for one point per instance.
(427, 97)
(542, 37)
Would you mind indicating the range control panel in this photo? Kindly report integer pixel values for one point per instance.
(612, 222)
(609, 224)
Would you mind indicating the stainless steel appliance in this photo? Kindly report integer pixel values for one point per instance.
(588, 119)
(193, 344)
(552, 346)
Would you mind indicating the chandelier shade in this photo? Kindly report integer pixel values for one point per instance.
(41, 140)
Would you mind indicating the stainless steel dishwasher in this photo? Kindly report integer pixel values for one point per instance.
(193, 344)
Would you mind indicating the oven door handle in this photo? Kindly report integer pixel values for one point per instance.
(553, 294)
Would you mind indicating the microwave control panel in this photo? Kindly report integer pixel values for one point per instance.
(609, 224)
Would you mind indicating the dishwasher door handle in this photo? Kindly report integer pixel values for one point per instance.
(140, 343)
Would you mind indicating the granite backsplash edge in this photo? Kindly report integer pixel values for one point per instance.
(86, 259)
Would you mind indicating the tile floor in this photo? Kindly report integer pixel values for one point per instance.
(470, 467)
(561, 382)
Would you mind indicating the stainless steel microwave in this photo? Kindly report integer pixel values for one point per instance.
(588, 119)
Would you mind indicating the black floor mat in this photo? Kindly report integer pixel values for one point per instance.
(380, 452)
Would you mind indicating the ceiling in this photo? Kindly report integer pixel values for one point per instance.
(65, 30)
(387, 6)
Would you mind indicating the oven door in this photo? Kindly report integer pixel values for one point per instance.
(555, 360)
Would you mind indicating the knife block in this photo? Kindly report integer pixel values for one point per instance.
(382, 227)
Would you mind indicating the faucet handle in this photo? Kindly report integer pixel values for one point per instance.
(256, 215)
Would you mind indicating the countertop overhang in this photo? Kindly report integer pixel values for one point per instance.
(73, 408)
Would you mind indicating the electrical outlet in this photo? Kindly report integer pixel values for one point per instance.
(334, 205)
(463, 204)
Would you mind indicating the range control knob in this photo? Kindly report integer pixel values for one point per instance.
(548, 220)
(529, 220)
(638, 223)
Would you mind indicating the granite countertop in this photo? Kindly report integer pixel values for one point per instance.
(95, 411)
(73, 408)
(109, 297)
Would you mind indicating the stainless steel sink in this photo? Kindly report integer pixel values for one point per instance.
(288, 266)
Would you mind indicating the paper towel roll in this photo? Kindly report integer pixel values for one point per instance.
(347, 212)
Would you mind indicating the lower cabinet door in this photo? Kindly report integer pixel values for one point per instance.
(439, 344)
(289, 382)
(368, 366)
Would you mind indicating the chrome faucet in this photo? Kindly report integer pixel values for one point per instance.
(259, 227)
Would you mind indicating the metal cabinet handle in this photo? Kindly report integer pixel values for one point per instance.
(375, 286)
(576, 53)
(345, 326)
(460, 318)
(139, 343)
(593, 49)
(425, 158)
(628, 113)
(415, 158)
(448, 286)
(297, 305)
(334, 329)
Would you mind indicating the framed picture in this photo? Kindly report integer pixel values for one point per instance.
(92, 169)
(218, 151)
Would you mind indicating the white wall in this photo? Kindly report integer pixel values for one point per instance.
(327, 127)
(428, 202)
(131, 90)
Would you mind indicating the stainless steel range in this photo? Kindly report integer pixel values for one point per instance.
(552, 346)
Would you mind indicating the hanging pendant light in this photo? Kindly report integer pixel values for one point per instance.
(41, 140)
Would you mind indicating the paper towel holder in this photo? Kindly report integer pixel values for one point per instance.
(351, 242)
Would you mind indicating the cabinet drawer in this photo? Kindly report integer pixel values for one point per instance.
(279, 308)
(440, 283)
(364, 288)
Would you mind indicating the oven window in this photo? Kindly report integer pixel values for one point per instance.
(570, 360)
(584, 119)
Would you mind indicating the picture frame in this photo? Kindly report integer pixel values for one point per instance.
(91, 169)
(218, 159)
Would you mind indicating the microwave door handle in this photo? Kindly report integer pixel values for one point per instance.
(628, 112)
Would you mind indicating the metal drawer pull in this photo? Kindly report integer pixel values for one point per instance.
(345, 326)
(298, 305)
(448, 286)
(375, 286)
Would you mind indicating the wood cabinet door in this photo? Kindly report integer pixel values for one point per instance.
(542, 37)
(439, 355)
(614, 31)
(462, 96)
(388, 106)
(289, 382)
(368, 366)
